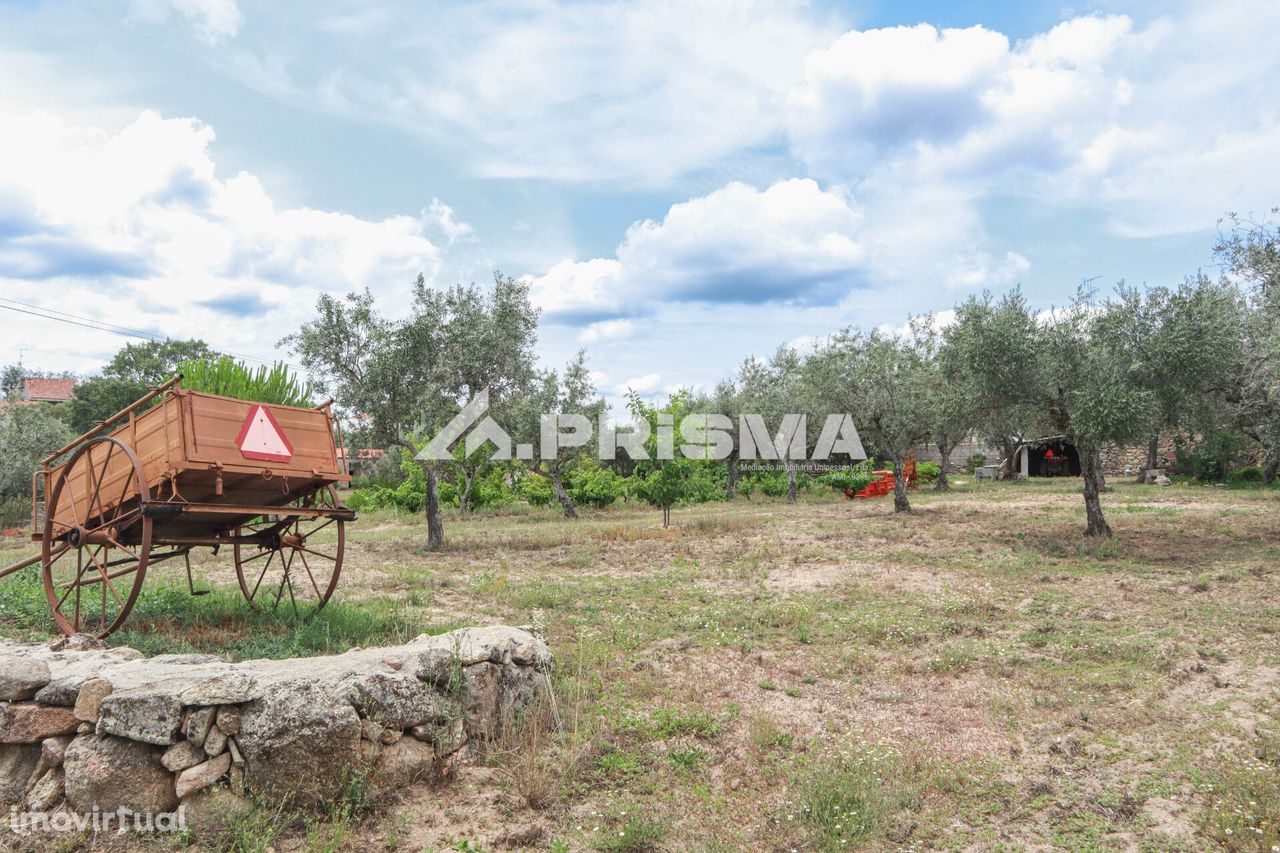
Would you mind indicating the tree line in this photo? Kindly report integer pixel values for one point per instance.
(1201, 358)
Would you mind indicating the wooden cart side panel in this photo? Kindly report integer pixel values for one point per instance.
(215, 424)
(155, 437)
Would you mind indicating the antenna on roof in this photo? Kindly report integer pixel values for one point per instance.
(1086, 292)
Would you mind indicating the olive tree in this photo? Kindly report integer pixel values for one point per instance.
(1074, 375)
(951, 399)
(1186, 343)
(552, 399)
(408, 377)
(883, 380)
(773, 390)
(1250, 250)
(727, 400)
(487, 338)
(27, 435)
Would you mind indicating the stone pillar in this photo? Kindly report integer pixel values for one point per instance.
(1024, 461)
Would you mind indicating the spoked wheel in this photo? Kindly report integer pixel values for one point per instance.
(96, 540)
(296, 561)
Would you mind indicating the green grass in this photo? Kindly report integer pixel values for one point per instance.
(633, 834)
(849, 798)
(668, 723)
(168, 620)
(948, 652)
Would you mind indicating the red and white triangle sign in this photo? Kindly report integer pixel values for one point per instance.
(262, 438)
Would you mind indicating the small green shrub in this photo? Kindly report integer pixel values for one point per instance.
(688, 759)
(594, 486)
(927, 472)
(536, 489)
(774, 484)
(1212, 458)
(1247, 474)
(15, 512)
(619, 762)
(848, 798)
(975, 462)
(229, 378)
(853, 479)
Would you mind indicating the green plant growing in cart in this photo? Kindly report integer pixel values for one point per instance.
(229, 378)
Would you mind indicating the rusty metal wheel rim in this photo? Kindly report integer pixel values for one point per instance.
(292, 570)
(96, 536)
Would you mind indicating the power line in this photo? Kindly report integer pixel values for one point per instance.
(103, 326)
(53, 314)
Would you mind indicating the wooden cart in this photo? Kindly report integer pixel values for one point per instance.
(193, 470)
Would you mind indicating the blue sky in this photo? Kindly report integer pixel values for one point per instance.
(685, 184)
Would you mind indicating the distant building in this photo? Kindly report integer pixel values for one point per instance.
(361, 460)
(38, 390)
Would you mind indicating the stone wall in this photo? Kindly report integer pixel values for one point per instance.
(84, 728)
(960, 455)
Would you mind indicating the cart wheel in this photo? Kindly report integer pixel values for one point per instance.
(298, 559)
(96, 539)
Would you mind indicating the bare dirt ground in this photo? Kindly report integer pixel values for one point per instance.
(827, 676)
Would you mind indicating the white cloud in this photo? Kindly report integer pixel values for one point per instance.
(215, 20)
(1095, 113)
(638, 93)
(804, 343)
(1104, 112)
(136, 228)
(579, 289)
(443, 217)
(646, 384)
(955, 100)
(793, 243)
(607, 330)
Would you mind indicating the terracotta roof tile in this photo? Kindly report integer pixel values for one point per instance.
(49, 390)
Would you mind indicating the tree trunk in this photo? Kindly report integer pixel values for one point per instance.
(435, 522)
(1010, 449)
(941, 484)
(464, 497)
(900, 503)
(666, 516)
(1152, 450)
(732, 477)
(1091, 461)
(791, 483)
(562, 495)
(1270, 470)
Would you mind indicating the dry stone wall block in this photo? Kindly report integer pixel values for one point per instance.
(17, 762)
(89, 700)
(108, 773)
(147, 714)
(202, 775)
(21, 677)
(27, 722)
(298, 742)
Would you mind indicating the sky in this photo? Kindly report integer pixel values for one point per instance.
(684, 184)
